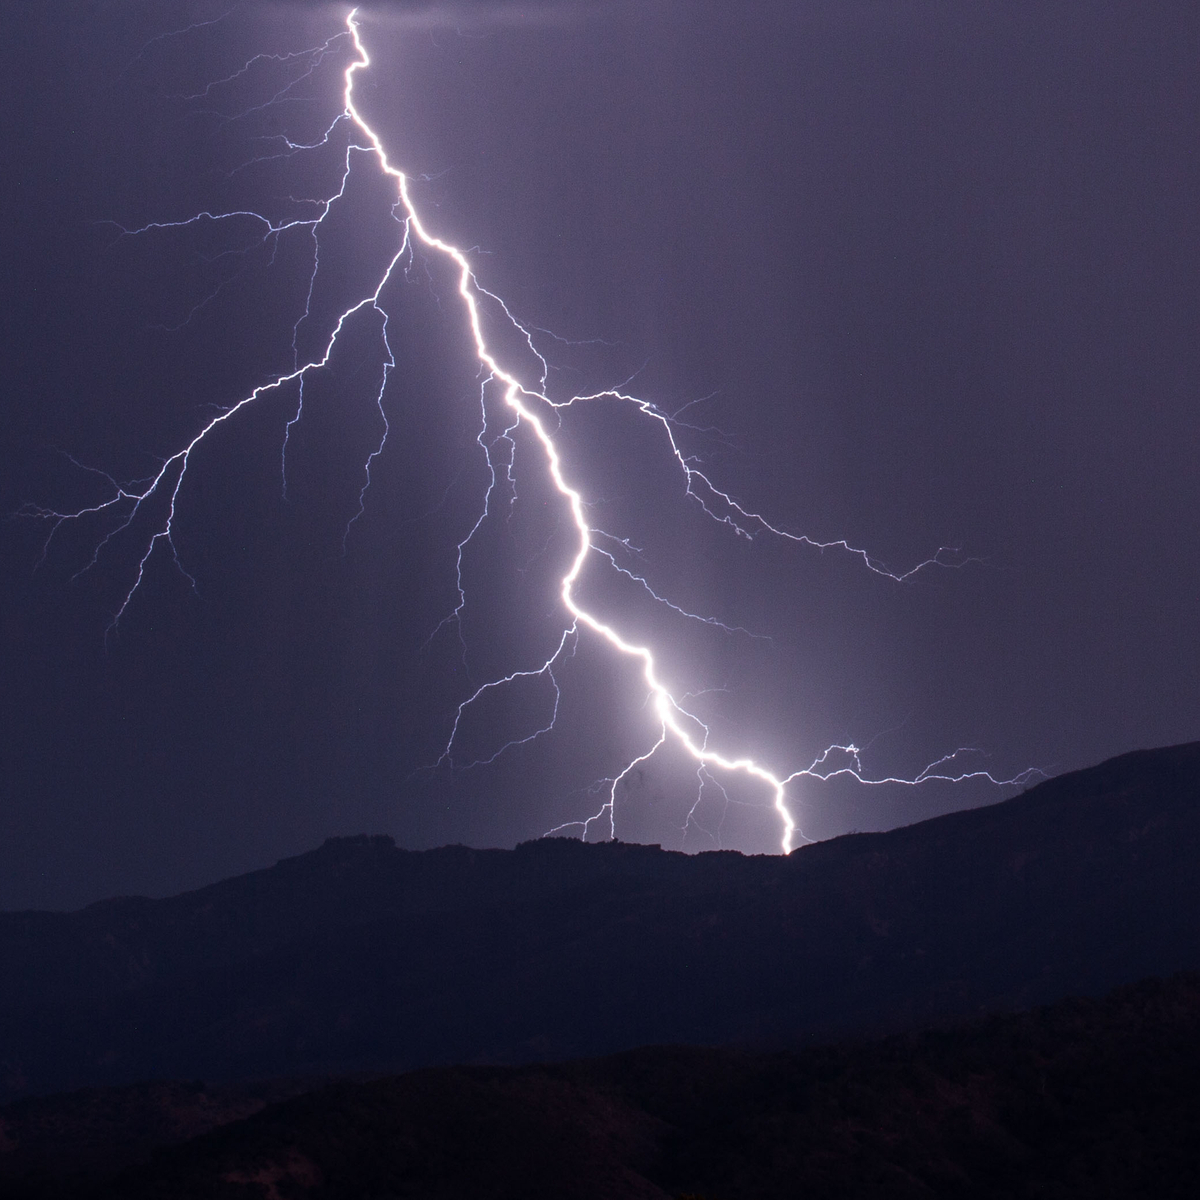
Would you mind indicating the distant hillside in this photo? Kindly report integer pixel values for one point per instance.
(360, 956)
(1083, 1099)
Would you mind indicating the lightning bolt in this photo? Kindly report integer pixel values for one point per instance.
(530, 407)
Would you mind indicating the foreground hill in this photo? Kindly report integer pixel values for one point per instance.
(1081, 1099)
(361, 956)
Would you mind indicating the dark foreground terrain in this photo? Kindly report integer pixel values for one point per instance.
(1084, 1098)
(363, 957)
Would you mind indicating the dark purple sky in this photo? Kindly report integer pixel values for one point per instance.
(927, 274)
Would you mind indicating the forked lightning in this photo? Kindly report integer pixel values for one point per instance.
(530, 406)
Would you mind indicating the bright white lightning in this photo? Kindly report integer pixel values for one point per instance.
(531, 406)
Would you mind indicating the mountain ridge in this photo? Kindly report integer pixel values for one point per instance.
(363, 956)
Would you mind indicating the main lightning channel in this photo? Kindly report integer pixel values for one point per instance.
(666, 708)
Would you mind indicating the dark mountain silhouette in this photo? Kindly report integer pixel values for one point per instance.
(363, 957)
(1085, 1099)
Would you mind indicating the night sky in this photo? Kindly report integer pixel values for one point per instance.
(913, 275)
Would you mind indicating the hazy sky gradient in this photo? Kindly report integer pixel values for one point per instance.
(926, 275)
